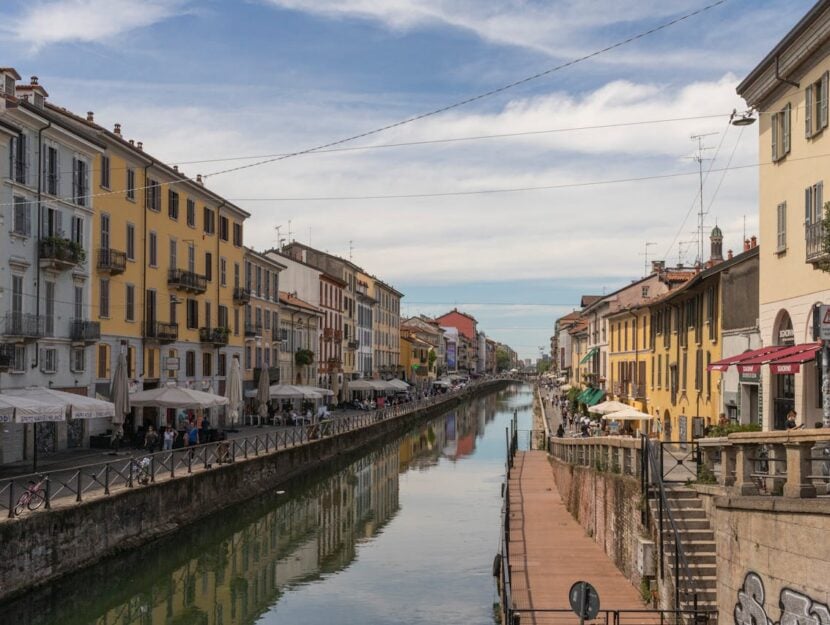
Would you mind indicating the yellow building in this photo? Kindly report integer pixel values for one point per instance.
(790, 88)
(386, 331)
(414, 358)
(167, 258)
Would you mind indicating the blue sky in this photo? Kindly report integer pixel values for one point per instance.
(216, 79)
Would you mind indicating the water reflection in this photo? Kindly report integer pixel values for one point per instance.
(235, 568)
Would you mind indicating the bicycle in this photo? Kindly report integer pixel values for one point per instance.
(32, 498)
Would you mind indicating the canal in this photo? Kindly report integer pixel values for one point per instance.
(405, 532)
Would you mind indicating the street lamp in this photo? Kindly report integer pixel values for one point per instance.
(741, 119)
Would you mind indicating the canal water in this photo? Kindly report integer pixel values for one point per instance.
(403, 534)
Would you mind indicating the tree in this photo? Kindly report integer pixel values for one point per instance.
(542, 366)
(502, 359)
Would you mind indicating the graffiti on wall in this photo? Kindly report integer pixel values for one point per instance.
(796, 607)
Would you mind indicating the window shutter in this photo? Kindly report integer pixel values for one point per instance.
(44, 169)
(59, 224)
(786, 130)
(27, 158)
(824, 93)
(12, 153)
(74, 179)
(808, 197)
(774, 134)
(818, 209)
(58, 171)
(808, 112)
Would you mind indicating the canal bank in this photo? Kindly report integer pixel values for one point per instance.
(399, 532)
(44, 546)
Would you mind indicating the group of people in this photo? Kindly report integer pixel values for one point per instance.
(194, 431)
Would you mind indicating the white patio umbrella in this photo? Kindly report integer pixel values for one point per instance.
(316, 389)
(361, 385)
(286, 391)
(21, 410)
(398, 384)
(565, 387)
(175, 397)
(335, 386)
(629, 414)
(120, 390)
(263, 393)
(76, 406)
(233, 391)
(608, 407)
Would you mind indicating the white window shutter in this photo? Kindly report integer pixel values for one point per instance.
(74, 178)
(27, 153)
(12, 154)
(774, 134)
(808, 112)
(808, 203)
(58, 170)
(825, 79)
(44, 161)
(786, 130)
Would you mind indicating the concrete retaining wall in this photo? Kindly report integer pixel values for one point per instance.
(44, 546)
(607, 505)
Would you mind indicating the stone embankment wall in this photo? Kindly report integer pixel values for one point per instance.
(607, 505)
(44, 546)
(773, 559)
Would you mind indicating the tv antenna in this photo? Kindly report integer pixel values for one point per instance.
(701, 213)
(279, 238)
(351, 249)
(646, 245)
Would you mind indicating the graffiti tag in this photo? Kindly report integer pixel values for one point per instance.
(796, 607)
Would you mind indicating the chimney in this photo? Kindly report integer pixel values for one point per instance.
(176, 168)
(117, 129)
(132, 142)
(728, 254)
(140, 145)
(90, 116)
(33, 81)
(658, 266)
(753, 241)
(746, 245)
(199, 179)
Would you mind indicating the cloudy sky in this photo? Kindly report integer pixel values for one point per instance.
(232, 83)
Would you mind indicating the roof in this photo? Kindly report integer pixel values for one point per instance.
(289, 299)
(56, 118)
(260, 256)
(98, 132)
(587, 300)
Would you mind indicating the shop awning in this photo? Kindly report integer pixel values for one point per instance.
(780, 353)
(791, 359)
(589, 355)
(724, 364)
(594, 396)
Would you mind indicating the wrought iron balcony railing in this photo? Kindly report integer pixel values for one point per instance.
(112, 261)
(24, 325)
(187, 280)
(161, 332)
(84, 330)
(216, 336)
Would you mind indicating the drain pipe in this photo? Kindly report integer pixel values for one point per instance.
(144, 271)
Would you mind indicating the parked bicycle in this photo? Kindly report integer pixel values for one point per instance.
(33, 497)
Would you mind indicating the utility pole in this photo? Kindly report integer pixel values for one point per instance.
(279, 239)
(646, 245)
(701, 213)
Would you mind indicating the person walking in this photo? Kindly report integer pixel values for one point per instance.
(151, 439)
(169, 437)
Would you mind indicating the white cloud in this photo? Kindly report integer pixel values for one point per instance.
(44, 23)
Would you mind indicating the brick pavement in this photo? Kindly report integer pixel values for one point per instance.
(549, 550)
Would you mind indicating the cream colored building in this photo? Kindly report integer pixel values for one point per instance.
(789, 89)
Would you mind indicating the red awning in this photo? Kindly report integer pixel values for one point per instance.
(790, 360)
(723, 365)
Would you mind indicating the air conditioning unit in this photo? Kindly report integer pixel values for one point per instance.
(645, 557)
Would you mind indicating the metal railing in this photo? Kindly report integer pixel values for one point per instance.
(24, 325)
(60, 250)
(84, 330)
(160, 331)
(112, 260)
(814, 238)
(74, 485)
(565, 616)
(216, 336)
(241, 295)
(188, 280)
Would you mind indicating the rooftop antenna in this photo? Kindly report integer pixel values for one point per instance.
(309, 236)
(289, 232)
(351, 249)
(279, 238)
(699, 158)
(744, 237)
(646, 245)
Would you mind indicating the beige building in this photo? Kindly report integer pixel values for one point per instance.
(790, 90)
(386, 318)
(263, 335)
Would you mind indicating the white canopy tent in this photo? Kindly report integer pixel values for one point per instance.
(75, 406)
(21, 410)
(629, 414)
(608, 407)
(399, 385)
(289, 391)
(175, 397)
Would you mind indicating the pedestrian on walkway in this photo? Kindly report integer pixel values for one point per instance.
(169, 436)
(151, 439)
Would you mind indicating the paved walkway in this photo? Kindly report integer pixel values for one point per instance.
(549, 551)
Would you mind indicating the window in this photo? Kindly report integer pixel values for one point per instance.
(80, 181)
(77, 233)
(153, 251)
(207, 364)
(21, 222)
(208, 266)
(103, 361)
(192, 313)
(208, 320)
(78, 362)
(130, 242)
(247, 356)
(18, 365)
(236, 275)
(79, 302)
(191, 258)
(174, 254)
(223, 272)
(104, 299)
(129, 303)
(50, 309)
(221, 365)
(105, 172)
(276, 292)
(236, 322)
(237, 234)
(51, 169)
(19, 158)
(190, 364)
(780, 125)
(153, 195)
(815, 107)
(782, 228)
(223, 228)
(209, 221)
(267, 293)
(130, 184)
(173, 204)
(191, 213)
(223, 316)
(49, 360)
(814, 203)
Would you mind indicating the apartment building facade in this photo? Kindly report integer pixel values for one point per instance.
(263, 333)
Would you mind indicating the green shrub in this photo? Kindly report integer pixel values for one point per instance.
(718, 431)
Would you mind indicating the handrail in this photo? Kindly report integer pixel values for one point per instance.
(102, 478)
(681, 563)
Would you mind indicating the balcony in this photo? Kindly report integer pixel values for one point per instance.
(161, 332)
(241, 295)
(353, 345)
(60, 253)
(253, 330)
(24, 325)
(276, 335)
(638, 391)
(815, 238)
(84, 331)
(186, 281)
(112, 261)
(214, 336)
